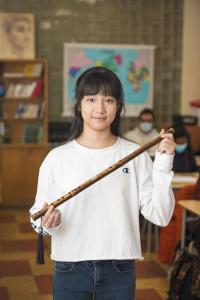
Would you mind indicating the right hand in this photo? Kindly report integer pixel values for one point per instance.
(52, 217)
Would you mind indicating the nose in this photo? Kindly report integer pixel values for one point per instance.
(100, 106)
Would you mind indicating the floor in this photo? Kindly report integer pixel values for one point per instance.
(22, 279)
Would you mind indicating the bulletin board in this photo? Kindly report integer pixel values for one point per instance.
(133, 64)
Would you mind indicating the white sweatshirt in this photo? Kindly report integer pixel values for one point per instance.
(102, 222)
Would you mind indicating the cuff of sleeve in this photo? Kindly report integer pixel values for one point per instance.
(51, 231)
(163, 162)
(37, 226)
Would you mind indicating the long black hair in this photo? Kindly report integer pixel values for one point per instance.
(91, 82)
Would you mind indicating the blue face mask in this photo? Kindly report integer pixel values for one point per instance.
(146, 126)
(181, 148)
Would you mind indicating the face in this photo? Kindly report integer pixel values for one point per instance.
(181, 144)
(146, 123)
(146, 118)
(19, 34)
(181, 140)
(98, 112)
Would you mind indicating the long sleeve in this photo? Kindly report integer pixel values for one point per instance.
(155, 192)
(45, 193)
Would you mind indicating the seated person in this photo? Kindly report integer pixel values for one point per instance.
(184, 160)
(145, 132)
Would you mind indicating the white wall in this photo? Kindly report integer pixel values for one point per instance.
(190, 89)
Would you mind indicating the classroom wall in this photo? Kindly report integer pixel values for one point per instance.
(191, 55)
(150, 22)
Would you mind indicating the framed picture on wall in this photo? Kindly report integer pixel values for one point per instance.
(133, 64)
(17, 36)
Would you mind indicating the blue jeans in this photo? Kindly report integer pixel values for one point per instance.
(99, 280)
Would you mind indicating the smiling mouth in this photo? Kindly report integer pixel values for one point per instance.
(99, 118)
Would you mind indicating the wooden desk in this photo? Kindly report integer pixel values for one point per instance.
(192, 206)
(182, 179)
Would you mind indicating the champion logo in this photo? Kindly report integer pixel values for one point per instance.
(126, 170)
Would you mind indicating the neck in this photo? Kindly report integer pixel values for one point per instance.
(98, 140)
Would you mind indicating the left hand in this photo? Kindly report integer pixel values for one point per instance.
(167, 145)
(52, 217)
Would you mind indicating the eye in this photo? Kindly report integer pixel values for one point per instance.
(110, 100)
(90, 99)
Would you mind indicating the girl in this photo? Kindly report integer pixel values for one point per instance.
(95, 236)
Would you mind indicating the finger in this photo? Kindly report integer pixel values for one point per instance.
(167, 142)
(49, 221)
(57, 219)
(53, 220)
(47, 214)
(169, 130)
(167, 135)
(57, 215)
(167, 147)
(162, 131)
(45, 207)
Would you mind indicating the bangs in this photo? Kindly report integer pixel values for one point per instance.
(103, 84)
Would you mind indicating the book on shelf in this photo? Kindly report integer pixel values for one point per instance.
(33, 133)
(2, 89)
(37, 88)
(17, 90)
(1, 109)
(29, 110)
(27, 90)
(29, 70)
(41, 110)
(33, 70)
(13, 74)
(10, 90)
(4, 133)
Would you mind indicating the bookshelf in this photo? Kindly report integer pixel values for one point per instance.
(23, 128)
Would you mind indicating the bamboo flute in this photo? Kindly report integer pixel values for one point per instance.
(100, 175)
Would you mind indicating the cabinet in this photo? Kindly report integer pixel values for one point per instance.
(23, 128)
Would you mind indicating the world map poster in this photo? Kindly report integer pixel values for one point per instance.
(132, 64)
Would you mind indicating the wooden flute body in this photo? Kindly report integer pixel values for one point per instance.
(100, 175)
